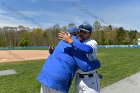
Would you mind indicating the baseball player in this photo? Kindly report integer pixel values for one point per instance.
(59, 68)
(86, 82)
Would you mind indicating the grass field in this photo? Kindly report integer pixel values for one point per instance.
(116, 64)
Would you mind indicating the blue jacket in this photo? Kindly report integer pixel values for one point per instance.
(60, 67)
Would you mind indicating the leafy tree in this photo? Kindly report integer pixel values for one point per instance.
(126, 40)
(24, 41)
(37, 37)
(96, 26)
(120, 35)
(24, 36)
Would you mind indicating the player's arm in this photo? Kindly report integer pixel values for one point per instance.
(82, 47)
(76, 43)
(81, 59)
(83, 63)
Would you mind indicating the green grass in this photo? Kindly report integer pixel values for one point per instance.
(25, 79)
(116, 65)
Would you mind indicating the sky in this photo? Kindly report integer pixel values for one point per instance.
(46, 13)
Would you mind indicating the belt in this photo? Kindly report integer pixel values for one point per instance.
(83, 75)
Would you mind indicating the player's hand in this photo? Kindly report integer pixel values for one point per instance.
(51, 49)
(66, 37)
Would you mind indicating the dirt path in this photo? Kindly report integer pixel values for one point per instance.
(21, 55)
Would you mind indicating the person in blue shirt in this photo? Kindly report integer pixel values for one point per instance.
(60, 67)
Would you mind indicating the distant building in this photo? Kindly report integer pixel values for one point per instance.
(138, 41)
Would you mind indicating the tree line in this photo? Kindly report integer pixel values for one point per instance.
(24, 36)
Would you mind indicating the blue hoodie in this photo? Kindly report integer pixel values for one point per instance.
(59, 68)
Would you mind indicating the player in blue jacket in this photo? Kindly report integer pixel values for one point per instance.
(59, 68)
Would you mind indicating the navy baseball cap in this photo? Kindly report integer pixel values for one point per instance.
(85, 27)
(72, 29)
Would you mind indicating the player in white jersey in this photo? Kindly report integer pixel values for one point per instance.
(86, 82)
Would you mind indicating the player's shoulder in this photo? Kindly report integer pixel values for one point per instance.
(92, 41)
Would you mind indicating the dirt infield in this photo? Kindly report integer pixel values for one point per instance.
(22, 55)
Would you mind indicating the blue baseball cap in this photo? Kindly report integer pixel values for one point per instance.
(85, 27)
(72, 29)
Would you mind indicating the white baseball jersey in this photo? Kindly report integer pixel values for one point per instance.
(92, 56)
(88, 84)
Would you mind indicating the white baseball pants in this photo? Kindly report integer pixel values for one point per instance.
(87, 84)
(45, 89)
